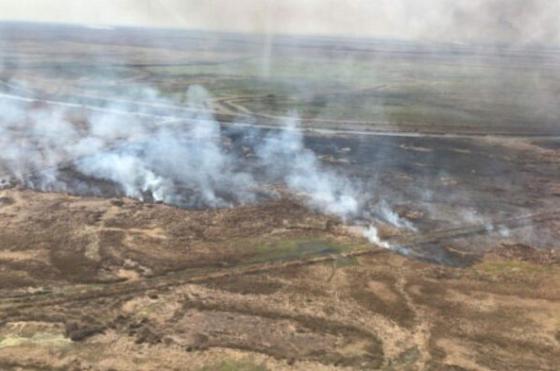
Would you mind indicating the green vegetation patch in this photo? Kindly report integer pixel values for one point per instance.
(234, 365)
(514, 269)
(37, 339)
(287, 249)
(296, 249)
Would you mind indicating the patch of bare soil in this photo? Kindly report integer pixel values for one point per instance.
(114, 284)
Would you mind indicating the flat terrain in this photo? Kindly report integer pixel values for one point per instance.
(117, 284)
(457, 146)
(372, 85)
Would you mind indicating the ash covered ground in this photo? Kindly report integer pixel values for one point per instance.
(164, 206)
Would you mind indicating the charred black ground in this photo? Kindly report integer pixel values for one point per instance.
(434, 183)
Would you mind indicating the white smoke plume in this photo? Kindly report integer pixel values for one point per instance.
(372, 235)
(129, 171)
(287, 157)
(184, 162)
(390, 216)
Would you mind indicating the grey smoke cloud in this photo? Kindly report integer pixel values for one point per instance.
(490, 21)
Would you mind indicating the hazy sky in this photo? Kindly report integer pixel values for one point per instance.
(520, 21)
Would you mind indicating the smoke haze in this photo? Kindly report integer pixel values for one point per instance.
(484, 21)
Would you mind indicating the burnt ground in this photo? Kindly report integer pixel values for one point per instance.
(498, 188)
(445, 183)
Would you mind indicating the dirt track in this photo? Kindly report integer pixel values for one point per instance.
(344, 304)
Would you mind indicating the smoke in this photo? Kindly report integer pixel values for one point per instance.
(372, 235)
(487, 21)
(387, 214)
(288, 159)
(186, 162)
(33, 140)
(128, 171)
